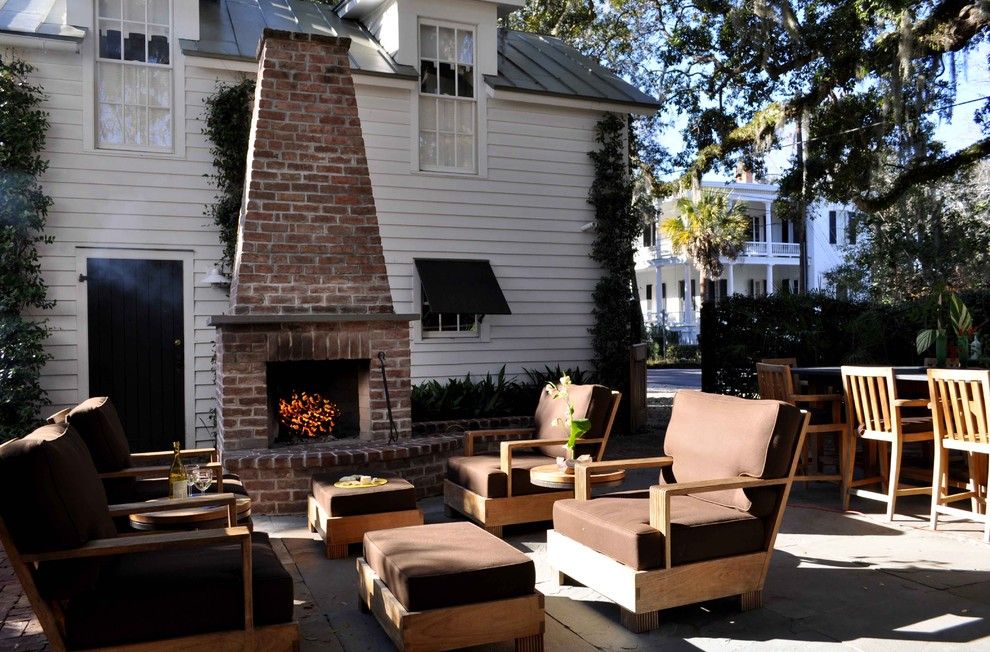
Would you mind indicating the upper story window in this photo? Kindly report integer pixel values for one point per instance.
(447, 101)
(134, 75)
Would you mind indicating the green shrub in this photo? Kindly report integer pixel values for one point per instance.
(23, 210)
(683, 353)
(491, 396)
(815, 328)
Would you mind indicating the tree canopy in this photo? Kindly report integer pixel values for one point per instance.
(867, 81)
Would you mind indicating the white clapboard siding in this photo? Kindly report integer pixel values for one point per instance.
(122, 201)
(524, 216)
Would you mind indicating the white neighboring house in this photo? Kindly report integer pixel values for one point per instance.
(477, 142)
(668, 279)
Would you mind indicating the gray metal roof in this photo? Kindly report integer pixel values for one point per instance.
(533, 63)
(43, 18)
(231, 29)
(526, 62)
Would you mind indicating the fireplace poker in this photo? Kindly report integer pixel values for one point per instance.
(393, 432)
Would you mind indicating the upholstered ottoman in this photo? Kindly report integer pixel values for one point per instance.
(342, 516)
(449, 585)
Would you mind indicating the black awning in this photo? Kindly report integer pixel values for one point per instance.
(464, 286)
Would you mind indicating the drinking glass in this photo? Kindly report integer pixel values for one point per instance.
(191, 473)
(203, 479)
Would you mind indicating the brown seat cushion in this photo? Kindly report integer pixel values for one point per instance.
(447, 564)
(53, 500)
(166, 594)
(618, 525)
(711, 436)
(483, 474)
(396, 495)
(590, 401)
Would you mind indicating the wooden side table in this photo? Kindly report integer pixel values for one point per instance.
(550, 476)
(191, 518)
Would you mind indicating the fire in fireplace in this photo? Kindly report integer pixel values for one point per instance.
(317, 400)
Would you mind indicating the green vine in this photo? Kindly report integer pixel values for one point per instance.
(228, 126)
(618, 222)
(23, 211)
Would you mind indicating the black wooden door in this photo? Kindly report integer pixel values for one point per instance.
(136, 346)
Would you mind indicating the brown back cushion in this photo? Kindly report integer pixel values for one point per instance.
(53, 500)
(100, 428)
(590, 401)
(711, 436)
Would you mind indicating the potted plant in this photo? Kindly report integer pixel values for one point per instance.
(961, 320)
(576, 428)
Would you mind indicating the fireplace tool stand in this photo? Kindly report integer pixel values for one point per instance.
(393, 432)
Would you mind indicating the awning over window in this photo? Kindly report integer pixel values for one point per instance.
(464, 286)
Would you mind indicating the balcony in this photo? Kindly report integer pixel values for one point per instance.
(772, 249)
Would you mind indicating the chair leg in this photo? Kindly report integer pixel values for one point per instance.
(937, 484)
(639, 623)
(336, 550)
(532, 643)
(986, 517)
(884, 462)
(893, 478)
(847, 464)
(494, 529)
(751, 600)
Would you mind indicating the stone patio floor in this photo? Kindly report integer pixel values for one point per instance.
(849, 581)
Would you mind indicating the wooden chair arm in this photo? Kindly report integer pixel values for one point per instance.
(911, 402)
(144, 543)
(137, 472)
(471, 435)
(661, 494)
(168, 504)
(167, 541)
(582, 471)
(167, 455)
(815, 398)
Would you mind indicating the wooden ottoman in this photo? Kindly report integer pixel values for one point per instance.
(449, 585)
(342, 516)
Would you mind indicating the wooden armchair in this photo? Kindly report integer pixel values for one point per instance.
(874, 415)
(93, 589)
(132, 477)
(777, 382)
(495, 490)
(706, 531)
(960, 403)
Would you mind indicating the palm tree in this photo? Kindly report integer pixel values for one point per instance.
(706, 231)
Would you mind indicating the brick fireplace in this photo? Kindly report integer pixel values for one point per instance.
(309, 284)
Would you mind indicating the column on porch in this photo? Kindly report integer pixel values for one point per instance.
(768, 225)
(732, 281)
(658, 298)
(687, 302)
(769, 279)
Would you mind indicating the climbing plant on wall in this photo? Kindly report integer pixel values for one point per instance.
(23, 210)
(618, 222)
(228, 126)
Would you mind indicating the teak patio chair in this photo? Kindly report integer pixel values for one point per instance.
(706, 531)
(874, 415)
(93, 589)
(494, 490)
(960, 402)
(776, 382)
(132, 477)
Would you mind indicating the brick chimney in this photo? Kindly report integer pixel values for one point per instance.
(309, 281)
(308, 238)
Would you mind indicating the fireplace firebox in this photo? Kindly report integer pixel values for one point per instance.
(317, 400)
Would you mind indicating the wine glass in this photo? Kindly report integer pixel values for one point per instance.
(191, 473)
(203, 479)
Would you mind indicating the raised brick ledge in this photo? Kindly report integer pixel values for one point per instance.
(314, 456)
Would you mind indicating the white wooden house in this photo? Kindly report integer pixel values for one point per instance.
(668, 279)
(477, 140)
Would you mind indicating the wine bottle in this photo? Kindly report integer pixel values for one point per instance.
(177, 487)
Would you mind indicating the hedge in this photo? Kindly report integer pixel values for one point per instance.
(817, 329)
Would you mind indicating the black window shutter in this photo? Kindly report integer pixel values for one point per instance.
(649, 292)
(831, 227)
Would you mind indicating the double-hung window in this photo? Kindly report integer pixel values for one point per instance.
(447, 99)
(134, 75)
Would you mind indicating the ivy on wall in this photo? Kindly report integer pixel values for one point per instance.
(618, 223)
(228, 126)
(23, 211)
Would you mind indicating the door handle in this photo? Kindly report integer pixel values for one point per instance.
(177, 343)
